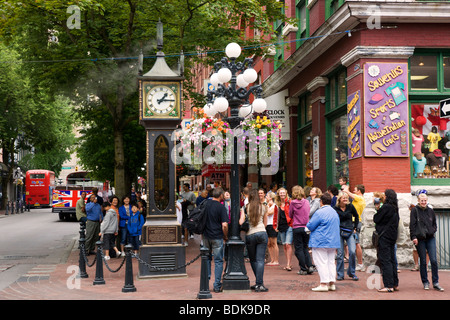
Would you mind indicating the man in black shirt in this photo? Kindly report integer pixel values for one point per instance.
(216, 231)
(424, 215)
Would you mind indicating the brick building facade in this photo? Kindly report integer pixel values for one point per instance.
(361, 76)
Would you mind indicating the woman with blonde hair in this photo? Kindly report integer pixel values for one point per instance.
(299, 213)
(314, 203)
(348, 224)
(284, 225)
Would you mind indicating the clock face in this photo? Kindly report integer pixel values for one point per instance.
(161, 100)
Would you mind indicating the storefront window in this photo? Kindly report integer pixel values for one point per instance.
(339, 145)
(446, 65)
(423, 72)
(307, 160)
(430, 142)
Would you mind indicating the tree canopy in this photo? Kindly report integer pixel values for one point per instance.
(87, 51)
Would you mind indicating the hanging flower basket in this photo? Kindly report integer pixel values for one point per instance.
(211, 136)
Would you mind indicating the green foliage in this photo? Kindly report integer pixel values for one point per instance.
(77, 62)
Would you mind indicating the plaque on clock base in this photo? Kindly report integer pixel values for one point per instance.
(162, 250)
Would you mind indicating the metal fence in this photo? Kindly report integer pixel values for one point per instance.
(443, 238)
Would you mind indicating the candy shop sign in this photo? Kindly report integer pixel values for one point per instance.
(354, 125)
(386, 110)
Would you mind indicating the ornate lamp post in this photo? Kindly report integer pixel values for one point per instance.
(235, 96)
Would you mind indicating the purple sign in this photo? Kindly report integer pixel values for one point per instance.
(386, 128)
(354, 125)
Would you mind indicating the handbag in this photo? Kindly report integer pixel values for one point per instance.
(245, 226)
(376, 238)
(345, 233)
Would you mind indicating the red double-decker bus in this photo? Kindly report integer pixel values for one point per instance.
(39, 185)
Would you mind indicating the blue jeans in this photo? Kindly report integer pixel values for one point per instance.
(351, 244)
(216, 248)
(256, 247)
(424, 246)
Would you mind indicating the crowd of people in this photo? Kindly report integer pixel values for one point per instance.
(117, 223)
(321, 229)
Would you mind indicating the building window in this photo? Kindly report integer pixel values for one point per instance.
(279, 51)
(430, 135)
(339, 148)
(337, 124)
(337, 90)
(302, 14)
(305, 110)
(446, 67)
(306, 158)
(423, 72)
(331, 7)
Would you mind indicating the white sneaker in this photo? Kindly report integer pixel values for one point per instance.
(332, 287)
(107, 258)
(359, 267)
(122, 254)
(186, 243)
(320, 289)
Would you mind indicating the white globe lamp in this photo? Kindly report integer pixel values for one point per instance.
(214, 79)
(233, 50)
(240, 81)
(250, 75)
(245, 111)
(220, 104)
(224, 75)
(209, 110)
(259, 105)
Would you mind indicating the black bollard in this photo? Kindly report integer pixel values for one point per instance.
(204, 292)
(99, 267)
(129, 285)
(82, 261)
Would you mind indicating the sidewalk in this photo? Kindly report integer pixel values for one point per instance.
(283, 285)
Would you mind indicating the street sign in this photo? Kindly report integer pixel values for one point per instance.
(444, 107)
(16, 174)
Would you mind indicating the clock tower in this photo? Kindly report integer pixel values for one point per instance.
(160, 94)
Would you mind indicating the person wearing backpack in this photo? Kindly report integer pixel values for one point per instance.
(214, 235)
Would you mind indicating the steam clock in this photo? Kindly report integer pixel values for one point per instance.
(160, 93)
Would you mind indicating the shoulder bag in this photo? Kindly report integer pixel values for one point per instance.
(245, 226)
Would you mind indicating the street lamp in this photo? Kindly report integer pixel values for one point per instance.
(231, 80)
